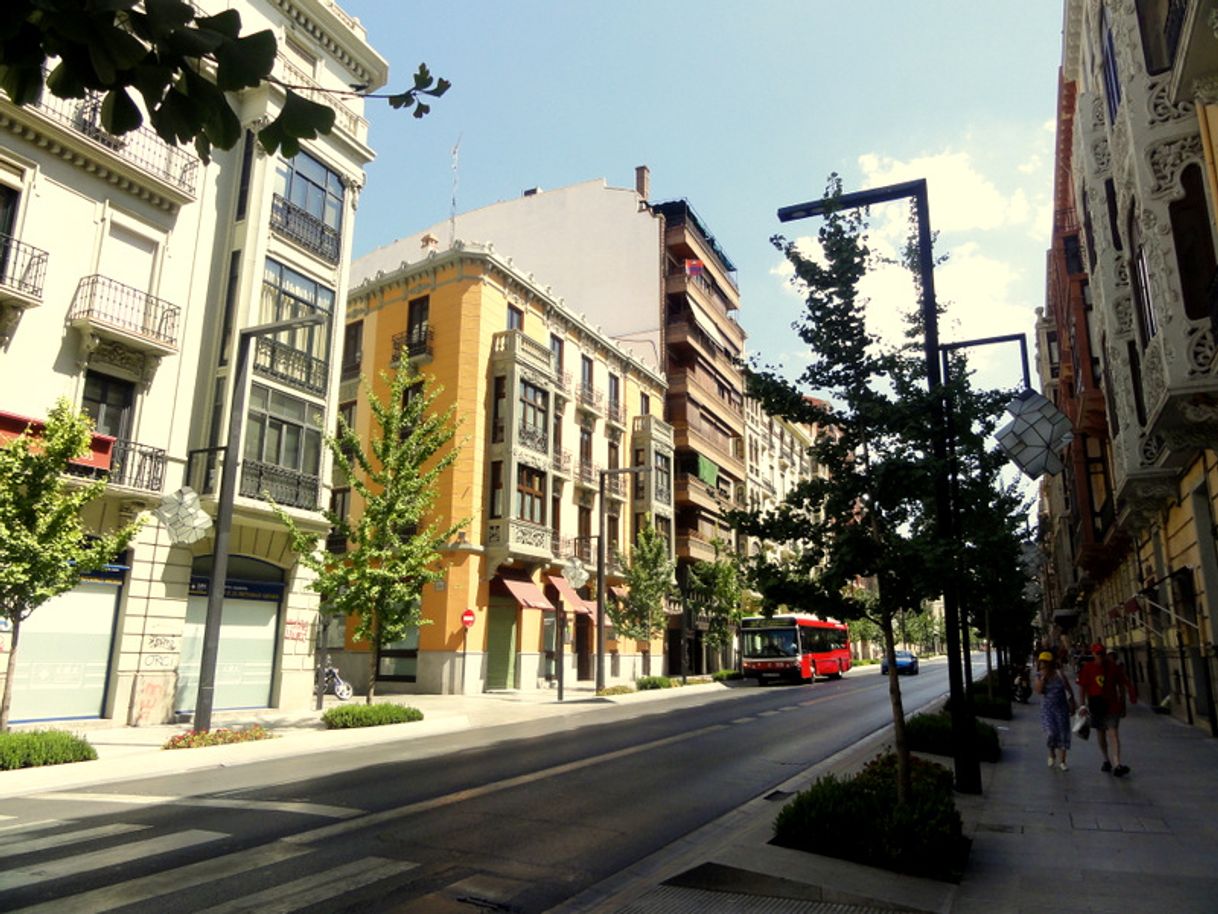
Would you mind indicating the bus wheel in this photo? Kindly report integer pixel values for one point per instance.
(840, 672)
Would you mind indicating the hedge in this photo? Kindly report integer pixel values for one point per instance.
(346, 716)
(933, 733)
(644, 683)
(35, 748)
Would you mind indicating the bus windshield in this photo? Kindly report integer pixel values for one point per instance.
(770, 642)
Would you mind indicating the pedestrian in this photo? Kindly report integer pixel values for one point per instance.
(1056, 707)
(1104, 685)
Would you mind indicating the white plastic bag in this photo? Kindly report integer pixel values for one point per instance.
(1081, 725)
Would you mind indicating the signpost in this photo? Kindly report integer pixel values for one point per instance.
(467, 622)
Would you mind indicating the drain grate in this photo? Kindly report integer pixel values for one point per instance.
(775, 795)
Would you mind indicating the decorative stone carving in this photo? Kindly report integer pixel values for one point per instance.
(1202, 351)
(1144, 499)
(1200, 411)
(1168, 158)
(1162, 110)
(1205, 90)
(1154, 381)
(1152, 448)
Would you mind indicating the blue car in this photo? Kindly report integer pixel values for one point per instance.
(907, 662)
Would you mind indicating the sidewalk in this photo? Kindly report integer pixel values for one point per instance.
(1078, 840)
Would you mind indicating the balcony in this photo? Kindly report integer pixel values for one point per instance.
(692, 489)
(104, 307)
(521, 538)
(276, 360)
(561, 462)
(288, 487)
(688, 379)
(587, 474)
(589, 398)
(297, 225)
(582, 547)
(654, 428)
(23, 268)
(678, 214)
(417, 342)
(616, 486)
(615, 413)
(533, 437)
(336, 543)
(684, 330)
(172, 168)
(692, 546)
(513, 346)
(137, 466)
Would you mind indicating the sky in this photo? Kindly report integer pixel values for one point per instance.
(742, 108)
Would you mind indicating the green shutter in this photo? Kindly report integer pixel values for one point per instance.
(501, 647)
(708, 471)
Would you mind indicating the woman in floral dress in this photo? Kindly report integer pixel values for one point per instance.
(1056, 707)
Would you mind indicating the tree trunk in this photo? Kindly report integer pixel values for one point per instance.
(898, 711)
(7, 701)
(374, 660)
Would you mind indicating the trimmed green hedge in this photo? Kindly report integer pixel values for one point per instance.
(933, 733)
(858, 819)
(726, 675)
(644, 683)
(346, 716)
(35, 748)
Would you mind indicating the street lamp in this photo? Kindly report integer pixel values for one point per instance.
(967, 764)
(224, 513)
(600, 569)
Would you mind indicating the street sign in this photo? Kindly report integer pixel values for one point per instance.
(467, 618)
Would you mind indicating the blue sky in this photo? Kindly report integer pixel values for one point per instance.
(742, 108)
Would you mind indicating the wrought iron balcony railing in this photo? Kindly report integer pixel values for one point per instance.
(298, 225)
(277, 360)
(23, 267)
(416, 342)
(589, 396)
(561, 461)
(533, 437)
(287, 487)
(615, 412)
(132, 466)
(109, 303)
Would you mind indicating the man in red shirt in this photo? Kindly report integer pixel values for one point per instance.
(1105, 686)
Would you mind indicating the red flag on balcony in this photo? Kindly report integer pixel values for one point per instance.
(694, 267)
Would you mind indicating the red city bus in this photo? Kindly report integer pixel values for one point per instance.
(798, 646)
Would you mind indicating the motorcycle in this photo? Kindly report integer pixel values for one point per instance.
(1022, 686)
(334, 684)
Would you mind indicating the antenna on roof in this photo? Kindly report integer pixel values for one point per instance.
(452, 213)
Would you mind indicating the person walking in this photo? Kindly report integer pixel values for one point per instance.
(1056, 707)
(1105, 687)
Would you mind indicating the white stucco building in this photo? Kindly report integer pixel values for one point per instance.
(127, 269)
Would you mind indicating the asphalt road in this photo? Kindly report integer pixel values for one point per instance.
(517, 817)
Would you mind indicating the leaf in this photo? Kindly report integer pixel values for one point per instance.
(421, 109)
(441, 87)
(227, 23)
(246, 62)
(119, 114)
(63, 83)
(422, 77)
(300, 119)
(167, 15)
(221, 125)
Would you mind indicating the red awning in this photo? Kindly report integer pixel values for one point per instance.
(571, 600)
(527, 594)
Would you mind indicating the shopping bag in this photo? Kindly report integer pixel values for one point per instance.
(1081, 725)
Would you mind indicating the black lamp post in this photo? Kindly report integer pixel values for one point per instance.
(224, 513)
(600, 570)
(967, 764)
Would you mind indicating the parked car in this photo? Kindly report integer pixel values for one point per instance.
(907, 662)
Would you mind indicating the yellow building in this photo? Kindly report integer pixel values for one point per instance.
(545, 403)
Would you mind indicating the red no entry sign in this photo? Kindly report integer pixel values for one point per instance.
(467, 618)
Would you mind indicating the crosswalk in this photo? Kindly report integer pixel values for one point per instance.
(38, 858)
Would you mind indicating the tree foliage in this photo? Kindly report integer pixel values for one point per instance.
(180, 64)
(44, 546)
(395, 542)
(643, 614)
(714, 590)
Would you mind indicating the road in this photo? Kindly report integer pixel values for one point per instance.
(518, 817)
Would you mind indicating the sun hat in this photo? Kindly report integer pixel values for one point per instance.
(1097, 648)
(1045, 656)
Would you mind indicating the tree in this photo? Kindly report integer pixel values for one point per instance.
(394, 544)
(643, 614)
(181, 65)
(714, 590)
(44, 546)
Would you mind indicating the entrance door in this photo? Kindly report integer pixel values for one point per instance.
(501, 647)
(583, 646)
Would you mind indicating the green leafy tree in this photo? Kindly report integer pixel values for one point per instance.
(44, 546)
(643, 614)
(714, 590)
(394, 544)
(179, 63)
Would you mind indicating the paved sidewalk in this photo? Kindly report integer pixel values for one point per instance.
(1043, 839)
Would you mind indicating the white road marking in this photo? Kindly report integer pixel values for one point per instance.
(316, 888)
(99, 860)
(16, 845)
(743, 720)
(36, 825)
(134, 891)
(135, 799)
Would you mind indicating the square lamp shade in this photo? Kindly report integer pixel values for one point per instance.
(1035, 436)
(183, 516)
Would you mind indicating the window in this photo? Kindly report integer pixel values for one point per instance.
(497, 488)
(534, 415)
(230, 304)
(612, 536)
(615, 392)
(418, 325)
(498, 409)
(586, 375)
(644, 405)
(284, 431)
(1140, 280)
(1135, 376)
(515, 318)
(1112, 79)
(1055, 355)
(530, 494)
(1074, 254)
(640, 481)
(556, 347)
(353, 348)
(110, 403)
(243, 188)
(308, 205)
(585, 446)
(1114, 222)
(614, 455)
(297, 356)
(663, 470)
(1190, 229)
(344, 420)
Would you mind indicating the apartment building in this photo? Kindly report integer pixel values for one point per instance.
(547, 402)
(128, 268)
(1127, 342)
(652, 278)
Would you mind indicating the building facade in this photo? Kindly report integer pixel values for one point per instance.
(129, 267)
(547, 403)
(652, 278)
(1128, 344)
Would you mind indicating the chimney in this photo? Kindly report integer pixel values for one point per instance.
(429, 242)
(642, 182)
